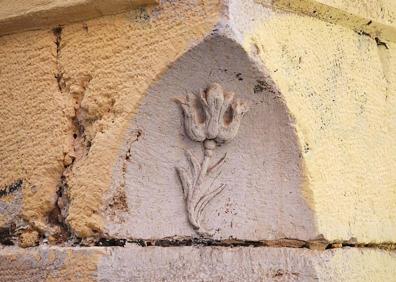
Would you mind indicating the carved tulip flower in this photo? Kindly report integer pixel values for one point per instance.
(213, 114)
(212, 117)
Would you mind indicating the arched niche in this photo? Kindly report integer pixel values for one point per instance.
(263, 170)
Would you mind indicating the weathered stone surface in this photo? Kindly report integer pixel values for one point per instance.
(194, 264)
(49, 264)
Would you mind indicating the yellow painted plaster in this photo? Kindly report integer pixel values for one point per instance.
(333, 82)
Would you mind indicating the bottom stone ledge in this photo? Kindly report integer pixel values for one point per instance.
(133, 263)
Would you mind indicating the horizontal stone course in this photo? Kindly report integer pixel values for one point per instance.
(134, 263)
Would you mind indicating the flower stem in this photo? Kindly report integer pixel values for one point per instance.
(209, 146)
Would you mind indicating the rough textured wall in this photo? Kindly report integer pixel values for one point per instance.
(36, 131)
(92, 136)
(337, 117)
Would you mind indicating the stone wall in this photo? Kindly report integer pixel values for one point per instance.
(198, 140)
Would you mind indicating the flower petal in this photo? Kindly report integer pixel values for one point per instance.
(215, 100)
(193, 127)
(229, 131)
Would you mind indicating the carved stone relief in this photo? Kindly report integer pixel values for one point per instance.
(211, 118)
(201, 165)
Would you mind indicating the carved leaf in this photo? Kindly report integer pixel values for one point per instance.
(194, 166)
(229, 130)
(185, 180)
(214, 169)
(204, 201)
